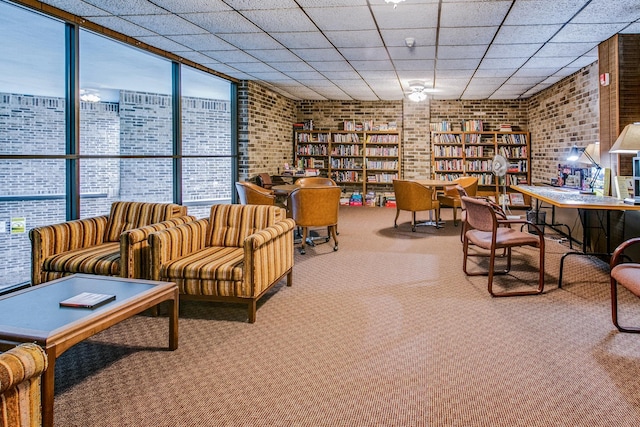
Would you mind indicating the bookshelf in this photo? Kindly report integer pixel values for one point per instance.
(470, 153)
(358, 160)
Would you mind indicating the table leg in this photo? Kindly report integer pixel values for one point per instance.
(173, 321)
(47, 388)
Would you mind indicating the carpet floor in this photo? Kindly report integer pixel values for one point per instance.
(387, 331)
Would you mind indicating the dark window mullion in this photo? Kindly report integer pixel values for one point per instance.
(72, 113)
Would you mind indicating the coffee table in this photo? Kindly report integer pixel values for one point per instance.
(35, 315)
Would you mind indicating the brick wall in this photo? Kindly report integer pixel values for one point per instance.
(561, 116)
(265, 131)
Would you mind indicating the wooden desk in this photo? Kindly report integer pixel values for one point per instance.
(586, 205)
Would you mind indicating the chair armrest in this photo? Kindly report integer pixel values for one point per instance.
(509, 222)
(30, 361)
(618, 253)
(135, 255)
(176, 242)
(268, 255)
(58, 238)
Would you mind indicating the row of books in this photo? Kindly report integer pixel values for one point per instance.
(367, 125)
(382, 151)
(378, 164)
(305, 125)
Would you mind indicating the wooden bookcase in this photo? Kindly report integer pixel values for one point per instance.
(459, 153)
(357, 160)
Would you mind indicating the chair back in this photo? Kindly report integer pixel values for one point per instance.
(130, 215)
(264, 180)
(229, 225)
(469, 183)
(480, 214)
(315, 181)
(411, 196)
(314, 206)
(252, 194)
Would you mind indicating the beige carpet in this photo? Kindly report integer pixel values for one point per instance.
(387, 331)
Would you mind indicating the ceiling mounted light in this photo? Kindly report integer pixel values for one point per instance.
(418, 91)
(410, 42)
(395, 2)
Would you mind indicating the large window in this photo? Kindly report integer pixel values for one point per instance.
(131, 143)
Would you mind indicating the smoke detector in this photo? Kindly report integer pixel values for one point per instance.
(410, 41)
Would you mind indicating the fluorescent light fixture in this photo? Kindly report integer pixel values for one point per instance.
(395, 2)
(417, 96)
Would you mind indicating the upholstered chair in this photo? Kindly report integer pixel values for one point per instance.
(451, 196)
(627, 275)
(489, 233)
(108, 245)
(309, 181)
(252, 194)
(414, 197)
(315, 207)
(21, 370)
(236, 255)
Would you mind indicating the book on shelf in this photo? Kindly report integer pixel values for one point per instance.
(87, 300)
(516, 199)
(505, 128)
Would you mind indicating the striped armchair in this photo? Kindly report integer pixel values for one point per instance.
(235, 255)
(113, 245)
(20, 394)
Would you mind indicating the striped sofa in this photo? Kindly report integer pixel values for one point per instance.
(113, 245)
(20, 396)
(235, 255)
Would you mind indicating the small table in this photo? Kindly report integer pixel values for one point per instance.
(35, 315)
(284, 189)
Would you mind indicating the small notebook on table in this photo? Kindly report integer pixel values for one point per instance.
(87, 300)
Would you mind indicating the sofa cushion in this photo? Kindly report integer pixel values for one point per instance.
(103, 259)
(230, 225)
(129, 215)
(213, 263)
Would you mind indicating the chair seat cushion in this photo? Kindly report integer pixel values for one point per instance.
(103, 259)
(628, 275)
(212, 263)
(505, 237)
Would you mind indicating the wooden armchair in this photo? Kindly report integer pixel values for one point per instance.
(451, 196)
(490, 233)
(315, 207)
(108, 245)
(21, 370)
(252, 194)
(235, 255)
(414, 197)
(624, 274)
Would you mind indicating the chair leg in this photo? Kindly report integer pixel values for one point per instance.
(455, 216)
(614, 310)
(334, 233)
(395, 221)
(413, 221)
(251, 311)
(305, 230)
(290, 277)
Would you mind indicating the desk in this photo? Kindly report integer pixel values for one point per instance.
(586, 204)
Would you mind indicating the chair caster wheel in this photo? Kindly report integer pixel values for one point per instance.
(395, 225)
(327, 239)
(335, 248)
(302, 252)
(413, 229)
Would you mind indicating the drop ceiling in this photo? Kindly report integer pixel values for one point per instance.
(357, 49)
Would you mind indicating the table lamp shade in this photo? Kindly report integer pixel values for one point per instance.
(591, 154)
(628, 141)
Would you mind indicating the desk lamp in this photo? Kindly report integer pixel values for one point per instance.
(590, 156)
(629, 142)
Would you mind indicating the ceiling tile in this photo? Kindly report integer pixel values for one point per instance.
(290, 66)
(521, 50)
(318, 54)
(306, 40)
(79, 8)
(599, 11)
(356, 39)
(466, 35)
(359, 54)
(129, 7)
(165, 24)
(513, 34)
(457, 52)
(412, 65)
(340, 74)
(230, 56)
(531, 12)
(502, 63)
(535, 73)
(274, 55)
(203, 42)
(331, 65)
(247, 41)
(254, 67)
(580, 33)
(305, 75)
(564, 49)
(192, 6)
(422, 37)
(278, 19)
(481, 14)
(378, 74)
(123, 26)
(423, 52)
(457, 64)
(335, 18)
(262, 4)
(409, 16)
(222, 22)
(372, 65)
(163, 43)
